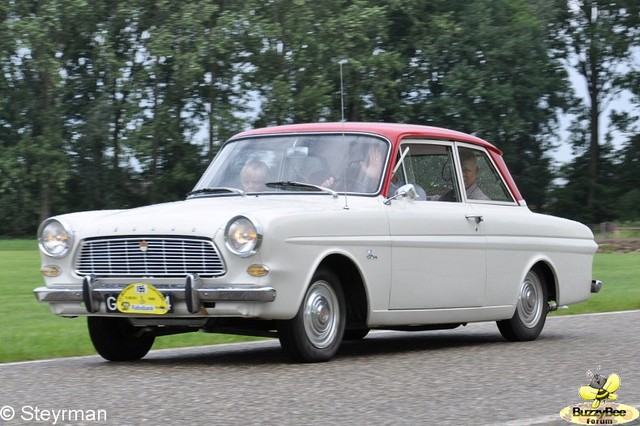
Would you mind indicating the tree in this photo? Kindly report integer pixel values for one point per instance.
(115, 103)
(599, 37)
(567, 199)
(232, 38)
(95, 54)
(34, 162)
(483, 67)
(297, 66)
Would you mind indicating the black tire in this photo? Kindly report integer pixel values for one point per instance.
(315, 333)
(115, 339)
(531, 310)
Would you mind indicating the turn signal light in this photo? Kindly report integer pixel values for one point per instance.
(256, 270)
(50, 271)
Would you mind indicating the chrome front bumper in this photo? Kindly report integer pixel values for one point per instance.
(92, 293)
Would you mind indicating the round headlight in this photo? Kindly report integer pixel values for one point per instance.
(242, 236)
(54, 238)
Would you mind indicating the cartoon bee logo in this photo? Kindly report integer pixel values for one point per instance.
(600, 389)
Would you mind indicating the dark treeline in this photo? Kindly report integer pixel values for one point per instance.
(112, 103)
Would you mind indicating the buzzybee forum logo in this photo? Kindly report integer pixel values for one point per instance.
(600, 408)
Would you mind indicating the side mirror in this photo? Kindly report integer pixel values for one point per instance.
(405, 191)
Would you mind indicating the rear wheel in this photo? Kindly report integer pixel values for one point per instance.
(531, 310)
(315, 333)
(115, 339)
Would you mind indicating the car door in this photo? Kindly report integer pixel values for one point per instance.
(438, 243)
(506, 228)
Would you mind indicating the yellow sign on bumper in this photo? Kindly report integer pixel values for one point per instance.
(142, 298)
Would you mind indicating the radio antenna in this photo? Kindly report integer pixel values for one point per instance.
(342, 62)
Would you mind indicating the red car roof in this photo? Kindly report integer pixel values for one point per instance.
(394, 132)
(390, 130)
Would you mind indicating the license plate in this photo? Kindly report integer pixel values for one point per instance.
(140, 299)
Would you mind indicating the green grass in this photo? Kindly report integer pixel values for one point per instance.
(28, 330)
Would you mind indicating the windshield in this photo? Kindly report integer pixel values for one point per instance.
(341, 162)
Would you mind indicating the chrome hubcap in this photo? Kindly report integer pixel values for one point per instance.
(321, 314)
(530, 303)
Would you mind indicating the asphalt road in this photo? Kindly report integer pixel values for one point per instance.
(469, 375)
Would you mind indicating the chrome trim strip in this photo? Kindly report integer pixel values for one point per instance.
(45, 294)
(209, 294)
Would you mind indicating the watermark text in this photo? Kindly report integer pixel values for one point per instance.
(52, 416)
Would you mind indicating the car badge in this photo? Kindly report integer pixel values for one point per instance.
(144, 246)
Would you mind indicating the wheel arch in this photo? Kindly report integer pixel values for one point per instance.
(353, 286)
(546, 271)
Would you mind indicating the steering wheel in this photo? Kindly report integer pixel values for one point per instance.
(352, 177)
(355, 185)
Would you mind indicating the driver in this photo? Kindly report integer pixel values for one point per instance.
(253, 176)
(363, 176)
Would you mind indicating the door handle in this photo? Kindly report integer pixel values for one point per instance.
(477, 217)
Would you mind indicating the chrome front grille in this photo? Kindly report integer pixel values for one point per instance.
(149, 257)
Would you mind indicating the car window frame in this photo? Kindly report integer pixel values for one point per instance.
(449, 146)
(496, 171)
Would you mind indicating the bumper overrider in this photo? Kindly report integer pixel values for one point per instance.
(194, 294)
(596, 286)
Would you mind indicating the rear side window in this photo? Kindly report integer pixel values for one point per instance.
(482, 181)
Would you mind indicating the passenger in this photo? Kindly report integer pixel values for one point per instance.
(253, 176)
(470, 172)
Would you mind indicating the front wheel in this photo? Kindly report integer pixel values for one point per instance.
(315, 333)
(531, 310)
(115, 339)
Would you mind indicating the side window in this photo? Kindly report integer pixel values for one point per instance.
(481, 180)
(430, 168)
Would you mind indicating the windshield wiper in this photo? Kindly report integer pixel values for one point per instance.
(293, 185)
(216, 190)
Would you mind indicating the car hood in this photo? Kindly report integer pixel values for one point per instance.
(198, 216)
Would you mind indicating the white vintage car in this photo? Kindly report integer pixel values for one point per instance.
(316, 233)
